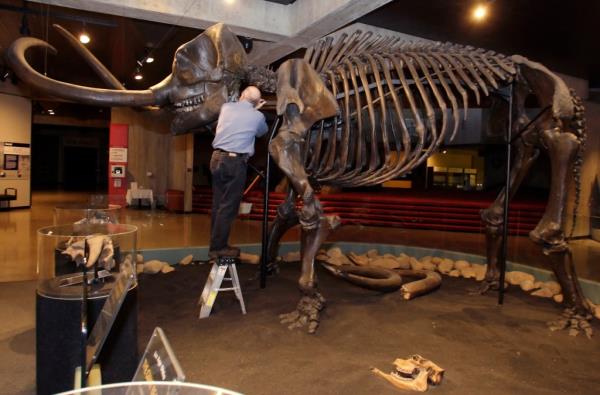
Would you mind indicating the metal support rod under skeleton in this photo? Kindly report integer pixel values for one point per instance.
(265, 223)
(508, 144)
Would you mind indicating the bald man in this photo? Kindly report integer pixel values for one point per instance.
(238, 126)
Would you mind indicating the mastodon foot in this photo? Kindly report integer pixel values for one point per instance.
(574, 322)
(307, 313)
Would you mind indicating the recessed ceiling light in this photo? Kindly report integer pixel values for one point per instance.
(84, 38)
(149, 59)
(480, 12)
(138, 76)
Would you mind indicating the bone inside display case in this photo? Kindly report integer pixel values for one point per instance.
(80, 213)
(104, 248)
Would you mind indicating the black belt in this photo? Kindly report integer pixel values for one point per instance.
(233, 154)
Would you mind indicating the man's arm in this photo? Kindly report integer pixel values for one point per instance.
(262, 126)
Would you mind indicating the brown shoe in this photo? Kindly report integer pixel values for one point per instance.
(228, 251)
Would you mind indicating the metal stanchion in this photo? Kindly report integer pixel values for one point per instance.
(265, 225)
(504, 249)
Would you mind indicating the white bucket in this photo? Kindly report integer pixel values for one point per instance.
(245, 208)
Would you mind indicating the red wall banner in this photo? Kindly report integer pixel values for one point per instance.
(117, 163)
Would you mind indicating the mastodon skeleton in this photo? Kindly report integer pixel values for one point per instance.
(350, 128)
(345, 110)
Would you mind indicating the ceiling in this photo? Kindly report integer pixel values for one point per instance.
(560, 34)
(119, 43)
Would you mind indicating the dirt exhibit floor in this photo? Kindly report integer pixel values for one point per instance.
(484, 348)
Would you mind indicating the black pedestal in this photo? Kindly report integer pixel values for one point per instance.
(58, 342)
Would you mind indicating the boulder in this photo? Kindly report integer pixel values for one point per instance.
(167, 269)
(527, 285)
(558, 298)
(403, 261)
(461, 264)
(517, 277)
(339, 260)
(186, 260)
(335, 252)
(436, 260)
(553, 287)
(293, 256)
(387, 263)
(543, 293)
(249, 258)
(480, 271)
(445, 266)
(428, 265)
(360, 260)
(467, 272)
(415, 264)
(372, 253)
(153, 266)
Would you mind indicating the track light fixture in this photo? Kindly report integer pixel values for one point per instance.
(84, 37)
(480, 11)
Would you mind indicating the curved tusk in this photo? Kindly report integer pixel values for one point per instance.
(104, 74)
(370, 277)
(83, 94)
(427, 282)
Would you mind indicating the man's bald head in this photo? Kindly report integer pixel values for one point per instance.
(251, 94)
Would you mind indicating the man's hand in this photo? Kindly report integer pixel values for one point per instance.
(261, 103)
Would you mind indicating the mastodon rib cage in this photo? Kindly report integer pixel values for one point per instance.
(397, 99)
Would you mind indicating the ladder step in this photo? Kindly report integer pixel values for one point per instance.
(213, 286)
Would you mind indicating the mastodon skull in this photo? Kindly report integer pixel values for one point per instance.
(414, 373)
(206, 73)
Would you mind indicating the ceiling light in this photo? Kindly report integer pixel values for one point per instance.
(149, 59)
(84, 38)
(138, 76)
(480, 12)
(229, 1)
(51, 112)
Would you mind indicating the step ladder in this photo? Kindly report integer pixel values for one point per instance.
(213, 284)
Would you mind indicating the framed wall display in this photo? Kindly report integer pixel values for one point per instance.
(11, 162)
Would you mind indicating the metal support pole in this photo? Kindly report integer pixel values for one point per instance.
(504, 249)
(84, 329)
(265, 224)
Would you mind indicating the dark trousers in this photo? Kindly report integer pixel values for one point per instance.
(228, 180)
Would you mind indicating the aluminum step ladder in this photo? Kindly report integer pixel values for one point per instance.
(213, 284)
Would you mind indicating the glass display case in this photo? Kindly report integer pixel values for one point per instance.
(62, 249)
(79, 213)
(153, 387)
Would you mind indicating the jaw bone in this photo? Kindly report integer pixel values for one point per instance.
(413, 374)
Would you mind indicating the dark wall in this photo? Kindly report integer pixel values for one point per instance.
(69, 157)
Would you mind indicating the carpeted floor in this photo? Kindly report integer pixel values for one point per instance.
(484, 348)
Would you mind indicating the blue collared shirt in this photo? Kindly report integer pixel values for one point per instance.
(239, 123)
